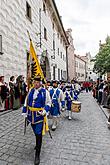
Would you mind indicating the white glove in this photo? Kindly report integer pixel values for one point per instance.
(24, 115)
(63, 109)
(43, 112)
(48, 113)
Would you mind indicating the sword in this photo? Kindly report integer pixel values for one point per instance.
(25, 125)
(50, 134)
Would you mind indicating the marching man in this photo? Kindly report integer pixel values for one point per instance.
(36, 105)
(69, 96)
(58, 103)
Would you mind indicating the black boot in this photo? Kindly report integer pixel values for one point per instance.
(37, 157)
(38, 149)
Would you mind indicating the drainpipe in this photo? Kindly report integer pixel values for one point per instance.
(67, 62)
(86, 71)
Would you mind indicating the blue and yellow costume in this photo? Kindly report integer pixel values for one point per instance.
(58, 102)
(33, 107)
(36, 105)
(68, 98)
(57, 99)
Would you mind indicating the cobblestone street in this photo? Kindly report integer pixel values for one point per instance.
(83, 140)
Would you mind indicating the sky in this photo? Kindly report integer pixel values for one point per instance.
(89, 21)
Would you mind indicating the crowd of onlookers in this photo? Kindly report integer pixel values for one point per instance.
(101, 92)
(87, 86)
(12, 94)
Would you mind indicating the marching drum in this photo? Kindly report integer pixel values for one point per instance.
(76, 106)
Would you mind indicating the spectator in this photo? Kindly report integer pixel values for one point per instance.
(100, 91)
(3, 93)
(7, 97)
(105, 94)
(94, 90)
(12, 90)
(23, 91)
(17, 94)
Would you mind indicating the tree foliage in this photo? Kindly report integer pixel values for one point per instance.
(102, 63)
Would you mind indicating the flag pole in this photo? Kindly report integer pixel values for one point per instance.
(28, 77)
(29, 35)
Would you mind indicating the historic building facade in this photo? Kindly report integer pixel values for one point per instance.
(71, 56)
(90, 74)
(42, 20)
(80, 68)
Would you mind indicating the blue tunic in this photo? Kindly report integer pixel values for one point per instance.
(33, 117)
(55, 108)
(68, 99)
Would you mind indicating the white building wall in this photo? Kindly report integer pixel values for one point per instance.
(13, 28)
(80, 69)
(91, 75)
(71, 56)
(61, 63)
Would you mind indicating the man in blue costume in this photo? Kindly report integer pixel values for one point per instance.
(58, 103)
(69, 97)
(36, 105)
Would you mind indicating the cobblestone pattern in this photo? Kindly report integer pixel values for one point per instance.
(85, 140)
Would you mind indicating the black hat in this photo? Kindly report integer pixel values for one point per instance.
(62, 81)
(37, 78)
(1, 76)
(55, 81)
(48, 81)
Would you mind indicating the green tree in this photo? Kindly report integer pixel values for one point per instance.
(102, 63)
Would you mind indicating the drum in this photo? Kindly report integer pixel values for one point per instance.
(76, 106)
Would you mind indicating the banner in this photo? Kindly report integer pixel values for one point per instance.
(33, 66)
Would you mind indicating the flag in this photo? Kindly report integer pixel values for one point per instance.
(35, 68)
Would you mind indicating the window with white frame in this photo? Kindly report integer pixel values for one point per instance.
(61, 54)
(45, 33)
(58, 51)
(28, 11)
(63, 57)
(0, 44)
(58, 74)
(44, 7)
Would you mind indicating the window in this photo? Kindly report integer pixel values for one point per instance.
(53, 72)
(53, 45)
(61, 74)
(58, 74)
(63, 57)
(58, 35)
(58, 51)
(61, 54)
(76, 64)
(61, 40)
(44, 7)
(28, 11)
(45, 33)
(53, 25)
(1, 44)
